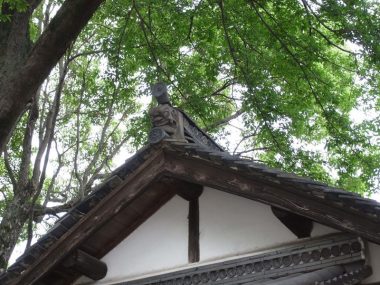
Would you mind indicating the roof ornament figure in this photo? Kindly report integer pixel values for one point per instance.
(160, 92)
(167, 121)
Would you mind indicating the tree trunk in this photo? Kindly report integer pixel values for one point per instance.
(13, 220)
(23, 68)
(19, 84)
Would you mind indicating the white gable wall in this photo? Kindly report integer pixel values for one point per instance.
(373, 254)
(160, 243)
(229, 226)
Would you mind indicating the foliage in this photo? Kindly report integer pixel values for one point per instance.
(12, 5)
(293, 72)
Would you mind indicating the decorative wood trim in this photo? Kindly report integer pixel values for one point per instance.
(230, 180)
(195, 134)
(303, 256)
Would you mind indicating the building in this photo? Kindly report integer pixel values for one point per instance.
(183, 211)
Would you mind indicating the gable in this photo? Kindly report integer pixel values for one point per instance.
(230, 226)
(154, 175)
(181, 159)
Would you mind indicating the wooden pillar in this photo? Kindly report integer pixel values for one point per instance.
(191, 192)
(193, 230)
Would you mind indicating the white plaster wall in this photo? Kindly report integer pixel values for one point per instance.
(231, 225)
(158, 244)
(373, 254)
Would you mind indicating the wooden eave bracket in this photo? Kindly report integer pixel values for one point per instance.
(86, 264)
(298, 225)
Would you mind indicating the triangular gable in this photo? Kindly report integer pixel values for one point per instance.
(152, 176)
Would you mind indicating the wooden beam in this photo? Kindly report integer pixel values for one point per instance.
(86, 264)
(298, 225)
(240, 183)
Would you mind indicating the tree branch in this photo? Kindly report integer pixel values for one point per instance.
(55, 175)
(300, 64)
(251, 150)
(85, 53)
(41, 211)
(247, 137)
(10, 170)
(26, 156)
(44, 148)
(224, 121)
(237, 65)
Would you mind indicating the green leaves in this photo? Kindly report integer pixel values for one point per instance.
(286, 65)
(293, 73)
(8, 7)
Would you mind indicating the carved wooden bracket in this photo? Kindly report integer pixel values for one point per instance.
(298, 225)
(86, 264)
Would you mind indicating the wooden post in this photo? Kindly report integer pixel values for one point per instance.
(193, 230)
(191, 192)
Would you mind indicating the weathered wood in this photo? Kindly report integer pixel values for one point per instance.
(193, 250)
(157, 166)
(188, 191)
(116, 229)
(86, 264)
(134, 184)
(297, 224)
(230, 180)
(191, 192)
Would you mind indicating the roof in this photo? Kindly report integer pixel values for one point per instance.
(146, 181)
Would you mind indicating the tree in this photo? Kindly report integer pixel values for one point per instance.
(283, 68)
(24, 66)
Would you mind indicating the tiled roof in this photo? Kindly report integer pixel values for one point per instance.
(340, 197)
